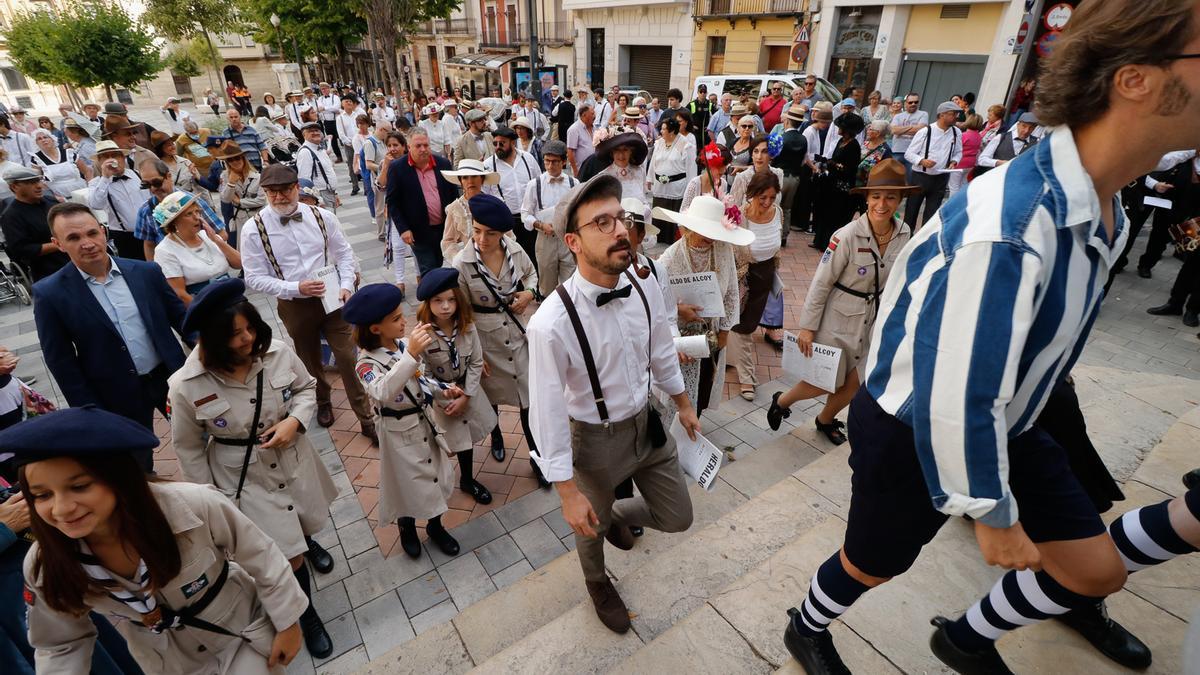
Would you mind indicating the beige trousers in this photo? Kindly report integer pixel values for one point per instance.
(555, 264)
(306, 321)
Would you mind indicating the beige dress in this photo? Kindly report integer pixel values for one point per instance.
(505, 348)
(416, 476)
(457, 232)
(250, 197)
(260, 597)
(476, 423)
(287, 490)
(840, 318)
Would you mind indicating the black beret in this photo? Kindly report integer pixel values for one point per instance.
(213, 298)
(74, 432)
(491, 212)
(436, 281)
(505, 132)
(371, 304)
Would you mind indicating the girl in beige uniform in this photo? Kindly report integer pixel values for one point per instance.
(416, 476)
(195, 587)
(456, 357)
(843, 299)
(239, 407)
(500, 280)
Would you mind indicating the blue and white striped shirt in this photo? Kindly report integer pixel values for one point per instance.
(988, 306)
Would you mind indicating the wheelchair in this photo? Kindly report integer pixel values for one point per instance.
(15, 282)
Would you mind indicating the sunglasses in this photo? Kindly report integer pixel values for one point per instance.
(155, 183)
(745, 126)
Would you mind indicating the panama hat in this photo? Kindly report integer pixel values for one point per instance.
(738, 109)
(472, 167)
(887, 175)
(108, 146)
(706, 217)
(633, 113)
(228, 149)
(640, 213)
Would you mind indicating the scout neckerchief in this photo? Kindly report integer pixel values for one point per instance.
(503, 297)
(450, 346)
(142, 602)
(426, 390)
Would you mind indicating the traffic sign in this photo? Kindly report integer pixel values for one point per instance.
(1057, 16)
(1045, 44)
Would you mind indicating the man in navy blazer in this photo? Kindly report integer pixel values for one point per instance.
(106, 323)
(412, 182)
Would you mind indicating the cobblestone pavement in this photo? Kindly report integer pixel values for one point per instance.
(377, 598)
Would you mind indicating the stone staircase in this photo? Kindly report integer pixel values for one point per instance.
(713, 600)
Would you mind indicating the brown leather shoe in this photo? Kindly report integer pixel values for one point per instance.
(619, 536)
(325, 414)
(368, 429)
(609, 606)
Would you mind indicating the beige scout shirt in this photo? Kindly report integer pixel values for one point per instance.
(477, 421)
(260, 597)
(840, 318)
(505, 348)
(416, 476)
(287, 490)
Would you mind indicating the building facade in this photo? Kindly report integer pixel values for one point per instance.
(741, 37)
(636, 44)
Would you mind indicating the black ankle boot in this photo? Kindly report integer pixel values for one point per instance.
(409, 540)
(815, 653)
(466, 479)
(316, 638)
(497, 445)
(984, 662)
(318, 557)
(1108, 636)
(439, 536)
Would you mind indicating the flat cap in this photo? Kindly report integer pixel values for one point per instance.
(556, 148)
(1027, 118)
(17, 174)
(948, 107)
(277, 175)
(83, 431)
(476, 114)
(371, 304)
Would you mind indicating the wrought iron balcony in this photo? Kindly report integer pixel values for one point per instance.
(517, 36)
(732, 8)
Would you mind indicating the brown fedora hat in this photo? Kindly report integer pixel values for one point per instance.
(157, 138)
(114, 123)
(226, 150)
(887, 175)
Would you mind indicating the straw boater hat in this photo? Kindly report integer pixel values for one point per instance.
(472, 167)
(738, 109)
(621, 136)
(633, 113)
(640, 213)
(108, 146)
(170, 207)
(706, 217)
(887, 175)
(228, 149)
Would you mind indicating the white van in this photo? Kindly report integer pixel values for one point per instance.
(758, 85)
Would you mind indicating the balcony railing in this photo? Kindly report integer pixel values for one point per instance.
(448, 26)
(720, 8)
(490, 37)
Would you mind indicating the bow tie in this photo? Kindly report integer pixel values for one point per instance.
(608, 296)
(295, 217)
(558, 179)
(121, 177)
(1020, 140)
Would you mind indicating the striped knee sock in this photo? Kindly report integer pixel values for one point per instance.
(830, 594)
(1144, 537)
(1018, 599)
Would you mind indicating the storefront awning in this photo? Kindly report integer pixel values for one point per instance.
(483, 61)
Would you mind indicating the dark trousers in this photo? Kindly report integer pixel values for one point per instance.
(1185, 292)
(306, 321)
(1160, 238)
(526, 238)
(128, 246)
(933, 191)
(331, 132)
(428, 253)
(832, 208)
(154, 397)
(668, 232)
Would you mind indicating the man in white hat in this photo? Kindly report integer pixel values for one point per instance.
(555, 264)
(477, 142)
(295, 110)
(328, 107)
(347, 128)
(443, 133)
(20, 121)
(91, 110)
(591, 437)
(382, 112)
(117, 190)
(314, 163)
(451, 111)
(934, 150)
(175, 117)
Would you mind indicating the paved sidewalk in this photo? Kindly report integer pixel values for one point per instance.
(377, 598)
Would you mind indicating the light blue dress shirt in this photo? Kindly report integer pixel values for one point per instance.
(118, 303)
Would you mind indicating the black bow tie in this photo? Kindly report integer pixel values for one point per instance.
(1020, 140)
(608, 296)
(121, 177)
(295, 217)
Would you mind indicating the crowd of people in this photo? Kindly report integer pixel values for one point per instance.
(529, 222)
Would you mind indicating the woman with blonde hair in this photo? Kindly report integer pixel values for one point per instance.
(472, 175)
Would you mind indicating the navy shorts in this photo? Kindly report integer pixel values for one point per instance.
(892, 515)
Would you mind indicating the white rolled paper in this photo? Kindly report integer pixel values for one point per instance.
(695, 346)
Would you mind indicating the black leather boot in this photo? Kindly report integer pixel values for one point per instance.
(318, 557)
(439, 536)
(1108, 636)
(984, 662)
(815, 653)
(316, 638)
(409, 541)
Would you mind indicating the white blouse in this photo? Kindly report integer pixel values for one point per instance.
(632, 179)
(766, 236)
(678, 158)
(196, 265)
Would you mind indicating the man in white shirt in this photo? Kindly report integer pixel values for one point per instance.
(347, 128)
(589, 441)
(604, 109)
(517, 169)
(554, 261)
(175, 117)
(451, 112)
(579, 138)
(443, 133)
(935, 149)
(117, 191)
(905, 125)
(20, 147)
(1004, 148)
(328, 107)
(382, 112)
(295, 109)
(305, 240)
(531, 112)
(313, 163)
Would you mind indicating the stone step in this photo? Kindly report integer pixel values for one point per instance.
(493, 624)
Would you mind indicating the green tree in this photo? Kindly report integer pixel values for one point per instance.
(390, 22)
(319, 27)
(84, 45)
(187, 20)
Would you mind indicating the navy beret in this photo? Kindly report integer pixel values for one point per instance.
(491, 212)
(436, 281)
(371, 304)
(213, 298)
(74, 432)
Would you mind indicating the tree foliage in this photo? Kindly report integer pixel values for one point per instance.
(191, 57)
(182, 20)
(317, 26)
(85, 45)
(390, 21)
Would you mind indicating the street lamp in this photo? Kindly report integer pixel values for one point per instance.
(278, 35)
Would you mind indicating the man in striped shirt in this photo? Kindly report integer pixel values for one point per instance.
(988, 308)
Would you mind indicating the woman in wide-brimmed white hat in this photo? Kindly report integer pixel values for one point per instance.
(709, 235)
(527, 139)
(472, 175)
